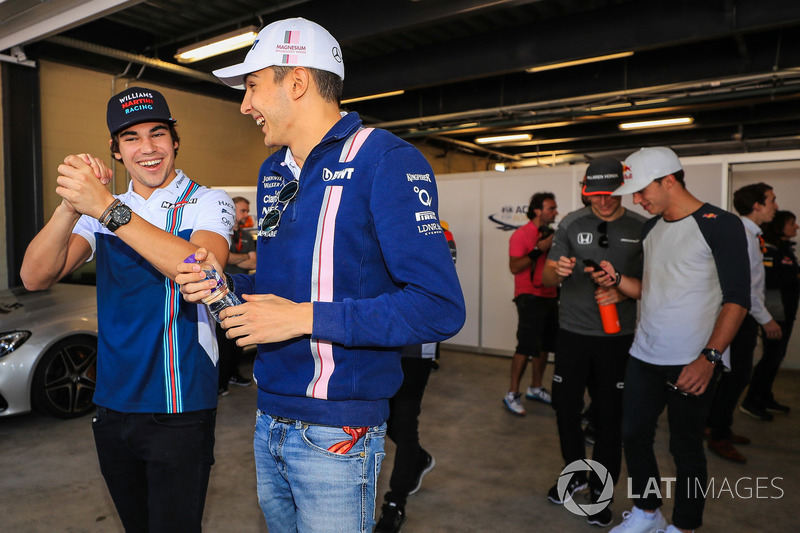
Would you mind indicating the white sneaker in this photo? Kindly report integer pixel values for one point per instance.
(513, 404)
(638, 521)
(671, 529)
(540, 394)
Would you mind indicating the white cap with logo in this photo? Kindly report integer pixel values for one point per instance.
(645, 166)
(295, 42)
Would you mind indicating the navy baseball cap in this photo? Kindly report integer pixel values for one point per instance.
(135, 105)
(603, 176)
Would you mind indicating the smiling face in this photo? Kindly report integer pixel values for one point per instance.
(148, 152)
(605, 206)
(652, 198)
(267, 102)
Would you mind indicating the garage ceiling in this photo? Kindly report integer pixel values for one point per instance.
(733, 66)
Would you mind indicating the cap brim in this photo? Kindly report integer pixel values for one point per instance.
(234, 75)
(630, 188)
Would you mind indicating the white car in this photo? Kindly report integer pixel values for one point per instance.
(48, 350)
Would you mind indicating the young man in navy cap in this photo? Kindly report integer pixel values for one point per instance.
(352, 264)
(695, 291)
(156, 391)
(587, 356)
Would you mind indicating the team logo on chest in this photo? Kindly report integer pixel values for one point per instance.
(585, 238)
(330, 175)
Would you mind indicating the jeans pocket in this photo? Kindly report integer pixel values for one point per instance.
(321, 438)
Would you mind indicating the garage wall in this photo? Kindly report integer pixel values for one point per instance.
(219, 145)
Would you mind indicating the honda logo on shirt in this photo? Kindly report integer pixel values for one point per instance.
(584, 238)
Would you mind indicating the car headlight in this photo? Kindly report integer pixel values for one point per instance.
(11, 340)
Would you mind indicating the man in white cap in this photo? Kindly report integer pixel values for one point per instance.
(352, 264)
(695, 291)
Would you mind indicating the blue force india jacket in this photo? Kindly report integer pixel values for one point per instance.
(361, 240)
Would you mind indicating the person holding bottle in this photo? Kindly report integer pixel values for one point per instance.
(156, 391)
(592, 353)
(352, 266)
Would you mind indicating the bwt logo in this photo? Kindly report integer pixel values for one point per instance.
(344, 174)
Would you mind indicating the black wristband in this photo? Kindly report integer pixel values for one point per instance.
(534, 254)
(229, 281)
(104, 218)
(618, 280)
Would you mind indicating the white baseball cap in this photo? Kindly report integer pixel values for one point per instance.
(645, 166)
(295, 42)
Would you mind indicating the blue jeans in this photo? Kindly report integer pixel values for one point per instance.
(302, 487)
(156, 466)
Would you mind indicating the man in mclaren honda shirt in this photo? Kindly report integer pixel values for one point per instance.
(352, 264)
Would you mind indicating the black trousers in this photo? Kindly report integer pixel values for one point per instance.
(766, 369)
(646, 396)
(230, 356)
(403, 428)
(732, 384)
(156, 467)
(596, 364)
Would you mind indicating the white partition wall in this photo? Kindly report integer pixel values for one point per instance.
(481, 206)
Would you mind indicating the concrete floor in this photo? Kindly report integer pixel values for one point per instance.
(493, 469)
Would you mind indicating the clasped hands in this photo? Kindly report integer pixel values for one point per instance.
(82, 184)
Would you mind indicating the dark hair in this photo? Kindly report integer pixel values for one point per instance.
(329, 84)
(237, 199)
(537, 202)
(172, 131)
(746, 197)
(773, 231)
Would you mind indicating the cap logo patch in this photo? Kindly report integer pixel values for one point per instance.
(627, 173)
(290, 48)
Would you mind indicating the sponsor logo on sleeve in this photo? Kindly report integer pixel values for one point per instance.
(425, 215)
(418, 177)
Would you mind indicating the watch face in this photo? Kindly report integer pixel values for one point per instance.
(120, 216)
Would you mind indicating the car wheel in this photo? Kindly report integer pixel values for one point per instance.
(64, 381)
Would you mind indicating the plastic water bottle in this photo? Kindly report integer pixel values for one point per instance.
(610, 318)
(220, 297)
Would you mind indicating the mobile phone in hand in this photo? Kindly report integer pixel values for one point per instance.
(594, 265)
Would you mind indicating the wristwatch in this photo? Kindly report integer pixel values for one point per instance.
(119, 216)
(713, 356)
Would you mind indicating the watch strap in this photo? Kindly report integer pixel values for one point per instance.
(714, 356)
(104, 218)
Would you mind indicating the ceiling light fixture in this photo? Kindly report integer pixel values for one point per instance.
(564, 64)
(660, 123)
(504, 138)
(372, 97)
(220, 44)
(499, 167)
